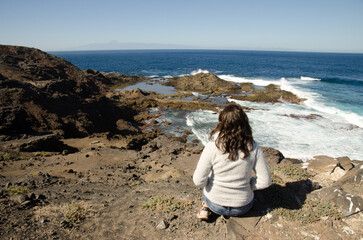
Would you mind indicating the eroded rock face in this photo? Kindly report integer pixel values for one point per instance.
(346, 193)
(341, 182)
(43, 93)
(12, 118)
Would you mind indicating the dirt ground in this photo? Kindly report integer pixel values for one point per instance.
(105, 191)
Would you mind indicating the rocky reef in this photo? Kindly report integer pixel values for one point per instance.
(208, 83)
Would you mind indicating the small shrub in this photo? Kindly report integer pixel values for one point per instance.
(165, 203)
(311, 211)
(5, 156)
(134, 183)
(292, 171)
(44, 154)
(18, 190)
(75, 213)
(276, 179)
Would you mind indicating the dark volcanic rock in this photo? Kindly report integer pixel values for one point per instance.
(271, 94)
(212, 84)
(46, 142)
(40, 93)
(119, 80)
(11, 118)
(204, 82)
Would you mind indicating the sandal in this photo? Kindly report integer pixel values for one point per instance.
(204, 212)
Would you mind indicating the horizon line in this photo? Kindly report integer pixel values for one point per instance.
(202, 49)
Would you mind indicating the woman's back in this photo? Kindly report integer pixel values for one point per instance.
(228, 182)
(225, 166)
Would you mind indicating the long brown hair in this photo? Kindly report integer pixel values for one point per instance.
(235, 132)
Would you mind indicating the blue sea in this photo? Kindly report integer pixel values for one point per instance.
(332, 84)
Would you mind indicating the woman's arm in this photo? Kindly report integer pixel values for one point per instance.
(204, 167)
(263, 178)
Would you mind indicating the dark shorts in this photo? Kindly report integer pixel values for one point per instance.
(227, 211)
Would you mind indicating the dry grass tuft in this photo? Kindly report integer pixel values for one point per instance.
(18, 190)
(166, 203)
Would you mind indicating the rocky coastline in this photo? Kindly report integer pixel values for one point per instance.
(80, 160)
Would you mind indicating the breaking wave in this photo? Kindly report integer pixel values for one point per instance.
(309, 78)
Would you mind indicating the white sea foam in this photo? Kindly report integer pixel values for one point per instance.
(317, 102)
(201, 123)
(199, 71)
(314, 101)
(299, 137)
(309, 78)
(168, 76)
(256, 81)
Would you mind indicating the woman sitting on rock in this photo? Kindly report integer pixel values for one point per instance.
(225, 167)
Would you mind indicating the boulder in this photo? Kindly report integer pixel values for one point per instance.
(345, 163)
(19, 199)
(273, 156)
(328, 170)
(322, 164)
(352, 181)
(291, 161)
(41, 143)
(162, 225)
(46, 142)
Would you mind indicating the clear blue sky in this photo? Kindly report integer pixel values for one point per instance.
(302, 25)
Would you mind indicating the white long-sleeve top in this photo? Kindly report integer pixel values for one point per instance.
(228, 183)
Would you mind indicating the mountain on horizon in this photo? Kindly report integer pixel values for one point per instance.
(116, 45)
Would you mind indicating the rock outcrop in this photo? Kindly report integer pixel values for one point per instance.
(271, 94)
(341, 182)
(204, 82)
(208, 83)
(43, 93)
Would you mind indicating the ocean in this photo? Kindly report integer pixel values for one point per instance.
(329, 122)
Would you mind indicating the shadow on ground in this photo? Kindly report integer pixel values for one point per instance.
(290, 196)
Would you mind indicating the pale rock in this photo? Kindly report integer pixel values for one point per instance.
(162, 225)
(321, 164)
(18, 198)
(323, 179)
(348, 230)
(337, 174)
(306, 234)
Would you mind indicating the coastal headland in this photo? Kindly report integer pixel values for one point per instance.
(79, 160)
